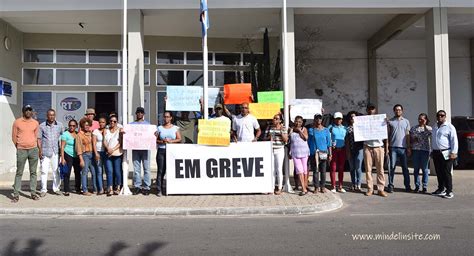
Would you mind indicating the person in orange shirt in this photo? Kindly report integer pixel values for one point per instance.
(24, 137)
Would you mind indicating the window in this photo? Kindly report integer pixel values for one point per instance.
(41, 102)
(227, 59)
(169, 77)
(195, 58)
(38, 76)
(195, 77)
(146, 77)
(103, 57)
(70, 76)
(146, 57)
(45, 56)
(103, 77)
(227, 77)
(248, 58)
(66, 56)
(169, 57)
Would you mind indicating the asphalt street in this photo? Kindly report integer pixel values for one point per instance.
(400, 224)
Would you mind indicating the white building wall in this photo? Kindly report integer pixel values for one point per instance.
(336, 72)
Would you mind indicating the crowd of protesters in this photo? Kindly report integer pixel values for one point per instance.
(94, 144)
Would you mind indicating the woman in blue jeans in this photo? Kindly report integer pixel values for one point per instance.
(420, 144)
(85, 153)
(354, 153)
(99, 153)
(113, 149)
(165, 134)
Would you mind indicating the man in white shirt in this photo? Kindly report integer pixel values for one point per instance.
(245, 127)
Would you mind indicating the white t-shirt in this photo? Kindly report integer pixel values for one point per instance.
(245, 126)
(100, 138)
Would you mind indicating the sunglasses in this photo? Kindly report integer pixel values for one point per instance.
(72, 125)
(440, 115)
(167, 116)
(112, 121)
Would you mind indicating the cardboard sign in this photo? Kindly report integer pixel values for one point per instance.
(183, 98)
(274, 97)
(306, 108)
(244, 167)
(237, 93)
(139, 136)
(214, 132)
(264, 110)
(373, 127)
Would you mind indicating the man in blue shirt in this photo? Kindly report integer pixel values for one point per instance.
(444, 142)
(139, 157)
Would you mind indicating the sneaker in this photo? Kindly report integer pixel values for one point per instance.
(424, 191)
(66, 193)
(449, 195)
(58, 193)
(159, 194)
(136, 191)
(42, 194)
(390, 189)
(416, 190)
(342, 190)
(146, 192)
(439, 192)
(382, 193)
(334, 190)
(322, 190)
(408, 190)
(358, 188)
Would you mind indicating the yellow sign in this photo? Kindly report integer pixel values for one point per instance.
(264, 110)
(214, 132)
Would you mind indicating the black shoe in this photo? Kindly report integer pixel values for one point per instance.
(439, 192)
(146, 192)
(390, 189)
(416, 190)
(424, 191)
(449, 195)
(408, 190)
(136, 191)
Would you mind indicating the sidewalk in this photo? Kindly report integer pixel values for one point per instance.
(188, 205)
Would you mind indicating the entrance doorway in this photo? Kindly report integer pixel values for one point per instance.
(103, 102)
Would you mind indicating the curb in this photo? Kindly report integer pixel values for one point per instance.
(331, 205)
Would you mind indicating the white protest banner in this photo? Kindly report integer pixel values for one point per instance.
(244, 167)
(183, 98)
(372, 127)
(139, 136)
(306, 108)
(213, 95)
(70, 105)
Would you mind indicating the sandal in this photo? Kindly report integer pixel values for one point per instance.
(15, 199)
(116, 192)
(35, 197)
(66, 193)
(302, 193)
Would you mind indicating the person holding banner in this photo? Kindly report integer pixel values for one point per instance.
(245, 127)
(338, 136)
(299, 152)
(319, 141)
(278, 135)
(165, 134)
(69, 157)
(375, 151)
(84, 150)
(140, 157)
(113, 148)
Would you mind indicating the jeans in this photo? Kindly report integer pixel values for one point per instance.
(88, 159)
(355, 165)
(421, 158)
(22, 155)
(99, 169)
(161, 164)
(113, 166)
(318, 167)
(71, 162)
(139, 156)
(47, 163)
(278, 157)
(401, 154)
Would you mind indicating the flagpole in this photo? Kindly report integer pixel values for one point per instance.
(125, 189)
(204, 24)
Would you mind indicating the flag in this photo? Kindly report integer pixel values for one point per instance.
(204, 17)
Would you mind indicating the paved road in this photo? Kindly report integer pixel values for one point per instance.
(324, 234)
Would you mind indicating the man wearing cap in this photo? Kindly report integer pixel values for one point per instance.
(245, 127)
(90, 114)
(338, 136)
(24, 137)
(375, 151)
(140, 157)
(399, 143)
(49, 135)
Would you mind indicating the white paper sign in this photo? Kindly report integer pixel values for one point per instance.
(70, 105)
(139, 136)
(183, 98)
(306, 108)
(371, 127)
(213, 95)
(240, 168)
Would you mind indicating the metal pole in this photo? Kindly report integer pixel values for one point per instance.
(205, 76)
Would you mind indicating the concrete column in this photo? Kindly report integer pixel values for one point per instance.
(437, 61)
(372, 69)
(135, 61)
(290, 41)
